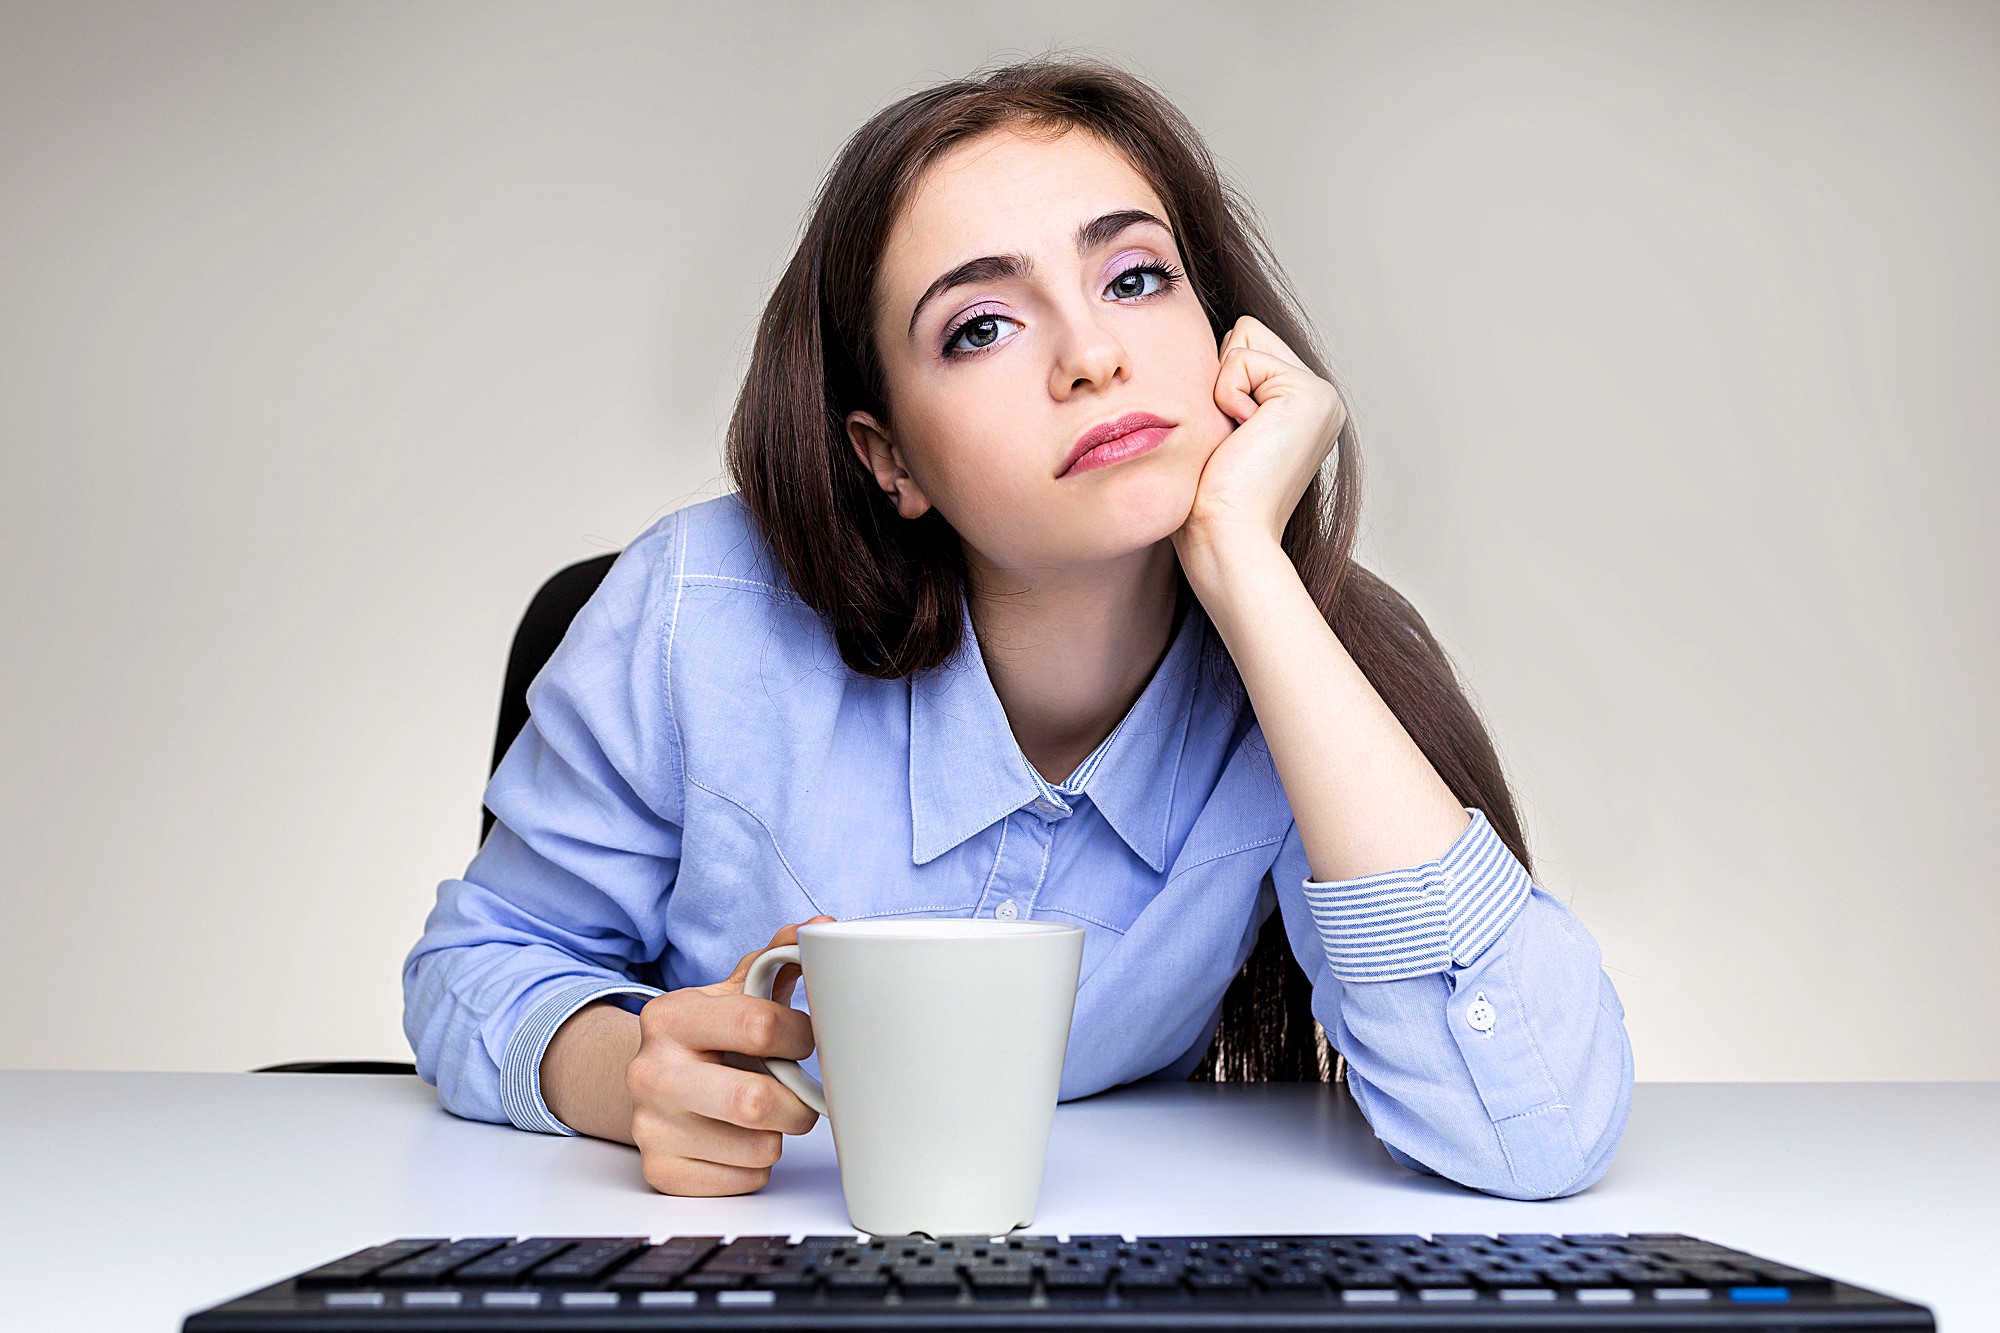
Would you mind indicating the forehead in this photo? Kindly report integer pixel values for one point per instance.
(1006, 191)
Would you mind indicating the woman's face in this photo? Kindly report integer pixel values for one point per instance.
(994, 376)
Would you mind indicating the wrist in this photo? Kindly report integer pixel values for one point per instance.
(1223, 559)
(583, 1071)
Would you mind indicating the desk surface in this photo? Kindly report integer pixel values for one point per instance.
(203, 1186)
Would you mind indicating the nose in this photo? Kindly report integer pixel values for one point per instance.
(1088, 353)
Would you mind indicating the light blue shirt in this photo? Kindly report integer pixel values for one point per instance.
(700, 768)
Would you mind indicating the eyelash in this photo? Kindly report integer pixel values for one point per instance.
(1169, 278)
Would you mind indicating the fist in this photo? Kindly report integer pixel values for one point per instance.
(706, 1120)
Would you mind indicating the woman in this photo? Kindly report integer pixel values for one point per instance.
(1035, 601)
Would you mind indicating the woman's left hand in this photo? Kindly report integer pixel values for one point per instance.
(1288, 420)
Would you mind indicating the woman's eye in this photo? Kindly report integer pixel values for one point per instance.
(1132, 282)
(977, 332)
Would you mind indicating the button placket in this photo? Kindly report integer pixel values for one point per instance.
(1024, 850)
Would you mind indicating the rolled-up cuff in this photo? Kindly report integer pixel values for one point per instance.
(521, 1068)
(1411, 923)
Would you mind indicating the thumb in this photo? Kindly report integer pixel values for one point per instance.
(786, 935)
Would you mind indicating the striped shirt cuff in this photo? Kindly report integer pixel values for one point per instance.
(1411, 923)
(521, 1068)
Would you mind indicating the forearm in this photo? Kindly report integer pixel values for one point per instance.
(583, 1071)
(1365, 797)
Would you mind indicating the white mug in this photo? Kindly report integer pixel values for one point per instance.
(941, 1043)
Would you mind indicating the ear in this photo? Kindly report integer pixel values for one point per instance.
(877, 450)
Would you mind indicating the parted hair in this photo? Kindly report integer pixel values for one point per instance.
(889, 588)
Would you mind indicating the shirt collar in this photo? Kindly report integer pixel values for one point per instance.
(967, 770)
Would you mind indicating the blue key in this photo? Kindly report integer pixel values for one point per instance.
(1760, 1293)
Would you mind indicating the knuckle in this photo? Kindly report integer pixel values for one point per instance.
(752, 1101)
(659, 1016)
(760, 1029)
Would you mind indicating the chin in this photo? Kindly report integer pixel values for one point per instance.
(1149, 508)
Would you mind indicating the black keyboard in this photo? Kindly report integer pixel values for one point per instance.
(1082, 1283)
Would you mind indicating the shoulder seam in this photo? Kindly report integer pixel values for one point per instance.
(1178, 871)
(667, 657)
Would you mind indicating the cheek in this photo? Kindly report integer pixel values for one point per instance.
(968, 467)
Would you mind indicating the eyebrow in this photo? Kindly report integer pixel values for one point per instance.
(989, 268)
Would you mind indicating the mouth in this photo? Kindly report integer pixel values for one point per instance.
(1115, 441)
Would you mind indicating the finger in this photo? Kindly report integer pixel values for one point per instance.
(788, 975)
(1235, 385)
(1257, 336)
(706, 1140)
(745, 1024)
(785, 935)
(750, 1101)
(1253, 376)
(671, 1173)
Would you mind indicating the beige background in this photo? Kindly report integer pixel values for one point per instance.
(328, 331)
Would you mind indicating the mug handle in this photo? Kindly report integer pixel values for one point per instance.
(763, 972)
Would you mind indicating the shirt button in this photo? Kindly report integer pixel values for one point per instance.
(1479, 1015)
(1006, 911)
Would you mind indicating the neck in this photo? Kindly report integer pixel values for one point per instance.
(1070, 651)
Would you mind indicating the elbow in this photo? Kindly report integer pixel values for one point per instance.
(1561, 1150)
(445, 1042)
(1545, 1152)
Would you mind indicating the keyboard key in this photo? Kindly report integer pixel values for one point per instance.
(934, 1282)
(1371, 1295)
(1293, 1280)
(655, 1298)
(590, 1259)
(1605, 1295)
(662, 1265)
(1680, 1293)
(432, 1299)
(1528, 1294)
(705, 1281)
(847, 1284)
(513, 1262)
(348, 1300)
(357, 1266)
(431, 1265)
(1760, 1294)
(512, 1300)
(745, 1297)
(1213, 1280)
(590, 1300)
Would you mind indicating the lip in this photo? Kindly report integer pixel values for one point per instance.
(1107, 431)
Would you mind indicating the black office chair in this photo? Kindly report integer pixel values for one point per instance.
(542, 628)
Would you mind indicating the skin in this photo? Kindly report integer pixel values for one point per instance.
(1073, 572)
(1072, 582)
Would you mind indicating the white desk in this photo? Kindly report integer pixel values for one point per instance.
(131, 1200)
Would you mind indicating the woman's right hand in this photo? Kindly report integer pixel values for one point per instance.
(706, 1120)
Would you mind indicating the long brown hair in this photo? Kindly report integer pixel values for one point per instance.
(889, 588)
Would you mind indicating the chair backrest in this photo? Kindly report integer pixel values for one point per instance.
(542, 628)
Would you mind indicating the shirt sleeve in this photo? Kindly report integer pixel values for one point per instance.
(1484, 1042)
(563, 900)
